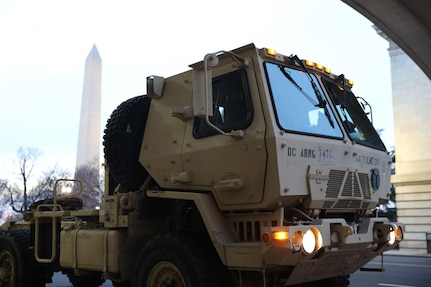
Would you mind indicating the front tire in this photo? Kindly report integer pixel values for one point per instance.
(179, 259)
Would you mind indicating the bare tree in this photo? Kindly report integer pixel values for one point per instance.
(45, 186)
(4, 184)
(27, 158)
(92, 186)
(8, 191)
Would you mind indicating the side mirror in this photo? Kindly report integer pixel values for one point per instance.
(155, 86)
(202, 86)
(366, 107)
(203, 90)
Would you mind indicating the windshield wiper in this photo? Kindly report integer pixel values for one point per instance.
(322, 102)
(343, 88)
(304, 93)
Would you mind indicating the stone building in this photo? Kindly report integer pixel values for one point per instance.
(411, 95)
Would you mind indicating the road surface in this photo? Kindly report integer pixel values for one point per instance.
(400, 271)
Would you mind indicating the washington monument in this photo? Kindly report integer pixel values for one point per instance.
(89, 125)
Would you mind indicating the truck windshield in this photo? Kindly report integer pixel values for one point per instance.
(296, 104)
(354, 119)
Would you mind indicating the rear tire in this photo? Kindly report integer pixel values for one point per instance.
(17, 265)
(10, 263)
(179, 259)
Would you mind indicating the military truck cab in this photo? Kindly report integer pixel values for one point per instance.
(252, 168)
(287, 152)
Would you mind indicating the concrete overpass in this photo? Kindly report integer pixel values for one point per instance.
(406, 22)
(408, 25)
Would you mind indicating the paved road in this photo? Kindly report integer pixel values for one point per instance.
(400, 271)
(60, 280)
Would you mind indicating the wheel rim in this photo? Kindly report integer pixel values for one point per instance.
(165, 274)
(6, 268)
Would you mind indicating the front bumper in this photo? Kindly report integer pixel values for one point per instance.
(334, 248)
(323, 248)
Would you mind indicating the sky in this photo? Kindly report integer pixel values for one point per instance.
(44, 44)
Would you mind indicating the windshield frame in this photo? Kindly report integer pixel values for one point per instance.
(355, 121)
(303, 97)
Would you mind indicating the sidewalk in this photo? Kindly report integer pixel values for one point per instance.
(408, 252)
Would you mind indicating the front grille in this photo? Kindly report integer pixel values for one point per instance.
(335, 180)
(364, 182)
(347, 204)
(247, 230)
(348, 184)
(345, 189)
(328, 204)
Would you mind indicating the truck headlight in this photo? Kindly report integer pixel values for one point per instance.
(398, 233)
(395, 235)
(391, 237)
(309, 241)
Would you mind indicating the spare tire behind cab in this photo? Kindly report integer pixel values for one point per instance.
(122, 142)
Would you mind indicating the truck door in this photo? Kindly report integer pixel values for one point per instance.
(233, 168)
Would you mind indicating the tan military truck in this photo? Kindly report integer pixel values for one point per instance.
(252, 168)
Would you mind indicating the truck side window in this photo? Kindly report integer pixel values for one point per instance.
(232, 109)
(355, 121)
